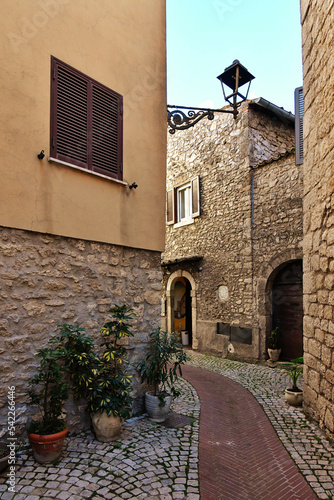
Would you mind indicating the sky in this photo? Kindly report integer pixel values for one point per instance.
(206, 36)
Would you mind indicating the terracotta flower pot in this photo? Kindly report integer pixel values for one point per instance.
(47, 448)
(106, 427)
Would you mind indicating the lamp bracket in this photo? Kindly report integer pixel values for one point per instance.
(180, 120)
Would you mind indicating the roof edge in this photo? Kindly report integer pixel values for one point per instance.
(285, 116)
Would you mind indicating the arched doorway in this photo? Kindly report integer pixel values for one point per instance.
(287, 308)
(181, 305)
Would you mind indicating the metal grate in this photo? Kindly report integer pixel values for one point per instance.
(175, 420)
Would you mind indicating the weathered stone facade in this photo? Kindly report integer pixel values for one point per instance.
(48, 280)
(318, 66)
(249, 227)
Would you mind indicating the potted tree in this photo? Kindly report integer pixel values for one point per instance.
(274, 344)
(48, 390)
(160, 369)
(294, 395)
(102, 379)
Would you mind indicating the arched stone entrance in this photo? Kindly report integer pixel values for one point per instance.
(287, 308)
(264, 293)
(181, 305)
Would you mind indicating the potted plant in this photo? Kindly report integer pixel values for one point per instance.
(159, 369)
(48, 390)
(274, 344)
(102, 379)
(294, 395)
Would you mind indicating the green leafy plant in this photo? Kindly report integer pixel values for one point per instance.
(162, 364)
(100, 378)
(294, 371)
(48, 390)
(80, 357)
(274, 341)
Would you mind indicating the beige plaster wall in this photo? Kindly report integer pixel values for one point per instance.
(120, 44)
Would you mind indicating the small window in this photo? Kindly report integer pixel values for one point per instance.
(183, 203)
(86, 122)
(184, 213)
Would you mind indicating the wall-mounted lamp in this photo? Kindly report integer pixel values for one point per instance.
(41, 155)
(234, 76)
(133, 186)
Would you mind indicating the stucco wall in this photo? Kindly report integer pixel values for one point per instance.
(50, 280)
(119, 44)
(318, 66)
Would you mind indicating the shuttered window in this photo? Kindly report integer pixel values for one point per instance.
(170, 206)
(299, 114)
(86, 122)
(183, 203)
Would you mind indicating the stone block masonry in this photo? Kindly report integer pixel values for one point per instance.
(250, 224)
(318, 68)
(48, 280)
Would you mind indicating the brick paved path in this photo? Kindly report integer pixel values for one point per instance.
(240, 455)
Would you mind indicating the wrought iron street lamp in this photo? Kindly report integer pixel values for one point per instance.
(234, 77)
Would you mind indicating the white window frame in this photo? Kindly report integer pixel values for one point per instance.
(183, 204)
(175, 200)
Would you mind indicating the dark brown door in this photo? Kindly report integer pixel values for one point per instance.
(288, 309)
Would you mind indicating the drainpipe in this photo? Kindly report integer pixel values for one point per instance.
(252, 174)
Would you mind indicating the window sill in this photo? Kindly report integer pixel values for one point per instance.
(60, 162)
(184, 223)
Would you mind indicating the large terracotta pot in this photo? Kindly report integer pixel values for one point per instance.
(47, 448)
(156, 412)
(106, 427)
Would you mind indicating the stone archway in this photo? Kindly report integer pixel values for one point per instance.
(264, 291)
(191, 309)
(287, 308)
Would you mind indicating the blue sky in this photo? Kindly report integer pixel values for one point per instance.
(206, 36)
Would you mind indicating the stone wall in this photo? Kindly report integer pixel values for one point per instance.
(277, 231)
(48, 280)
(318, 67)
(218, 152)
(269, 137)
(250, 199)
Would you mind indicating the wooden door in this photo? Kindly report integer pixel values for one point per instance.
(287, 296)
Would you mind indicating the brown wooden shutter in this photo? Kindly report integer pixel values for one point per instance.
(106, 131)
(171, 206)
(70, 117)
(299, 114)
(86, 121)
(195, 199)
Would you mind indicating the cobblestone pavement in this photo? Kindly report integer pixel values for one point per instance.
(151, 461)
(308, 446)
